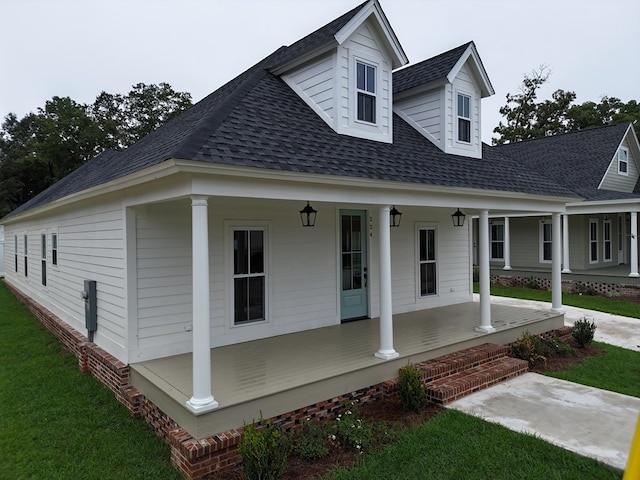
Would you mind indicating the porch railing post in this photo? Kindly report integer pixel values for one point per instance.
(634, 245)
(386, 351)
(565, 244)
(507, 245)
(556, 255)
(202, 399)
(484, 274)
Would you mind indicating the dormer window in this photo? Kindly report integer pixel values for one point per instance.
(464, 118)
(366, 90)
(623, 161)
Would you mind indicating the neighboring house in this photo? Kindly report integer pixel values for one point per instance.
(207, 283)
(600, 234)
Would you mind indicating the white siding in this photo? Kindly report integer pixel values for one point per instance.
(621, 183)
(424, 112)
(90, 247)
(464, 83)
(2, 262)
(364, 45)
(314, 82)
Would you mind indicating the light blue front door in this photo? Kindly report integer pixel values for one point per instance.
(353, 263)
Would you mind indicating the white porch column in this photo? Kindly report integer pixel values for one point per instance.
(202, 399)
(386, 350)
(507, 245)
(484, 274)
(565, 244)
(556, 255)
(634, 245)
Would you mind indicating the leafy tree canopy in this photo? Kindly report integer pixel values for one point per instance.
(41, 148)
(526, 117)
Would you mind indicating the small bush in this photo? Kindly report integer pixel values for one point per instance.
(583, 331)
(529, 348)
(264, 449)
(413, 393)
(351, 430)
(582, 289)
(310, 442)
(532, 283)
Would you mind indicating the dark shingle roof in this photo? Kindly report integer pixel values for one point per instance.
(577, 160)
(428, 70)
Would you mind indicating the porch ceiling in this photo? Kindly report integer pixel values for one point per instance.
(327, 361)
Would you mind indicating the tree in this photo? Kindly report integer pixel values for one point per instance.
(40, 149)
(527, 118)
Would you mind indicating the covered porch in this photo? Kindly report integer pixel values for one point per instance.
(276, 375)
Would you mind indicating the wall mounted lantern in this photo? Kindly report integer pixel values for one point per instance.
(395, 217)
(458, 218)
(308, 216)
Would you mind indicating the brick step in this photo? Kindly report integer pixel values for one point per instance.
(461, 360)
(449, 388)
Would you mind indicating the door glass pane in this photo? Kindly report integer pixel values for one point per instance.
(346, 233)
(256, 246)
(240, 254)
(357, 271)
(356, 234)
(346, 271)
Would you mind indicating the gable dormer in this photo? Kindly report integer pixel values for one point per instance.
(343, 71)
(624, 168)
(441, 98)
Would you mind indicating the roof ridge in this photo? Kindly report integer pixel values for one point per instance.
(565, 134)
(430, 59)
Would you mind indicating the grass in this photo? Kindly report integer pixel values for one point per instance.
(589, 302)
(60, 423)
(618, 371)
(454, 445)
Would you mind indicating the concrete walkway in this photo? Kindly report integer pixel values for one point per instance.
(585, 420)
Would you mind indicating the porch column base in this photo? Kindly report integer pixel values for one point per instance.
(485, 329)
(386, 354)
(199, 406)
(506, 268)
(566, 270)
(634, 275)
(557, 310)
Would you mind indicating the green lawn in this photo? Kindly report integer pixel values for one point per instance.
(455, 446)
(589, 302)
(618, 370)
(59, 423)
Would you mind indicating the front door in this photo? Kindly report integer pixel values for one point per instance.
(353, 263)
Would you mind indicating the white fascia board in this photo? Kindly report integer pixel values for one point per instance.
(486, 88)
(310, 55)
(633, 143)
(604, 206)
(399, 58)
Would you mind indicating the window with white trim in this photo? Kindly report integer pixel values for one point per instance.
(546, 245)
(607, 244)
(26, 259)
(594, 254)
(54, 248)
(497, 240)
(366, 92)
(43, 257)
(15, 250)
(249, 275)
(464, 118)
(427, 261)
(623, 161)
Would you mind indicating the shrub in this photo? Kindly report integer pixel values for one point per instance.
(413, 393)
(264, 449)
(351, 430)
(583, 331)
(529, 347)
(310, 442)
(532, 283)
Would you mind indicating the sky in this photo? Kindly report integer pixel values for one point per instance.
(79, 48)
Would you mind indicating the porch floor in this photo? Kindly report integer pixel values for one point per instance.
(280, 374)
(615, 274)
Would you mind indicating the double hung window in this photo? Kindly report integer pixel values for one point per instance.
(54, 249)
(43, 257)
(593, 241)
(26, 257)
(545, 242)
(497, 241)
(623, 161)
(366, 92)
(249, 275)
(464, 118)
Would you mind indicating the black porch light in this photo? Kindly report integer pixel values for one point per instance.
(395, 217)
(308, 216)
(458, 218)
